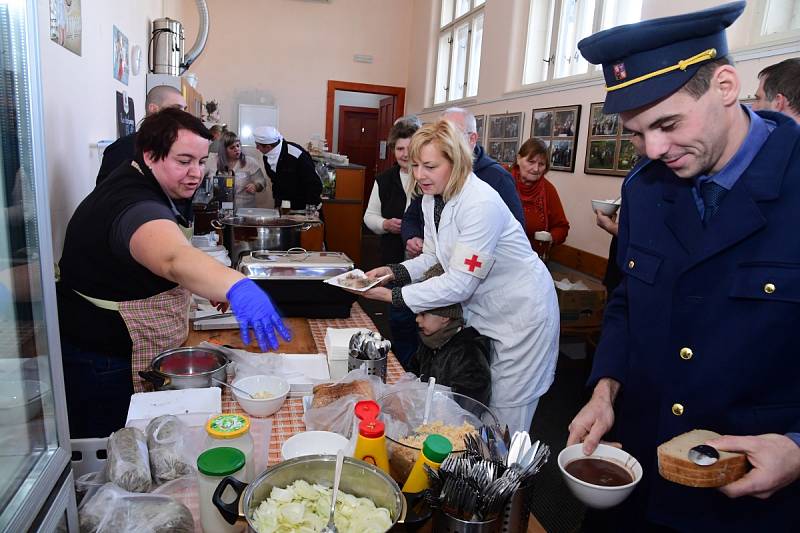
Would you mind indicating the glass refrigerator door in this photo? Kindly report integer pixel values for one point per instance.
(34, 439)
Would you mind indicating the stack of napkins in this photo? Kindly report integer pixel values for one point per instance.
(337, 344)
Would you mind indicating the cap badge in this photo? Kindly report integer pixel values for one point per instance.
(619, 71)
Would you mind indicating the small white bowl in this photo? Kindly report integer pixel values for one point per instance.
(313, 443)
(593, 495)
(605, 207)
(274, 385)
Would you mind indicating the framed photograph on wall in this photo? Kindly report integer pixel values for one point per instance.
(480, 123)
(504, 136)
(558, 128)
(609, 148)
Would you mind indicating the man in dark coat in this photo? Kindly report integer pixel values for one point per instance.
(701, 331)
(124, 148)
(290, 168)
(483, 166)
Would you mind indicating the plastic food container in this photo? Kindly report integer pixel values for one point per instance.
(232, 431)
(213, 465)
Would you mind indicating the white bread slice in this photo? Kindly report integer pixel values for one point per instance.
(674, 463)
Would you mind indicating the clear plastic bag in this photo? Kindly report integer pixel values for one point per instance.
(128, 464)
(114, 510)
(165, 446)
(338, 416)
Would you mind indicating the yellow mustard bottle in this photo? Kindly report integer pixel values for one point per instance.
(434, 450)
(371, 444)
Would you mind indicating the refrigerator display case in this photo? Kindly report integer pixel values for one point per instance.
(36, 485)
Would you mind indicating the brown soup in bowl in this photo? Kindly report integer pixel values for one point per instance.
(599, 472)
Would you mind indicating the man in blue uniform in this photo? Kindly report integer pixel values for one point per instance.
(701, 333)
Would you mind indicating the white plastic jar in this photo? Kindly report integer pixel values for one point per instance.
(232, 430)
(213, 466)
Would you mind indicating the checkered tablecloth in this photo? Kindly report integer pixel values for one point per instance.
(289, 420)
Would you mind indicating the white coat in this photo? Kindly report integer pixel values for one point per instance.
(509, 298)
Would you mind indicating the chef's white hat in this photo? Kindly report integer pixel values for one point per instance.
(266, 135)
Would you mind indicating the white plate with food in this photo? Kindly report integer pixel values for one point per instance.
(355, 280)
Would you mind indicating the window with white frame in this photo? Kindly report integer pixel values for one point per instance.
(458, 61)
(779, 19)
(556, 26)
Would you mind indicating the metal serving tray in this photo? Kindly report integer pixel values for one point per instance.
(294, 264)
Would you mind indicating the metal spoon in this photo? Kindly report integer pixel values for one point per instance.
(234, 387)
(331, 527)
(703, 455)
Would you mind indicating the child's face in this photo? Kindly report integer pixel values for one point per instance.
(429, 323)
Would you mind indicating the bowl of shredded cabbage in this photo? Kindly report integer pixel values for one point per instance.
(295, 495)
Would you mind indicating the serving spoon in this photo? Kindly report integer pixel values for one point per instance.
(330, 527)
(234, 387)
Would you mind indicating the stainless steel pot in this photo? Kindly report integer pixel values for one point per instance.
(187, 368)
(241, 234)
(358, 478)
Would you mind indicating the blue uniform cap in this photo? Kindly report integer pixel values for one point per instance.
(650, 60)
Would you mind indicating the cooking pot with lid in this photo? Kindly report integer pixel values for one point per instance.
(187, 367)
(241, 234)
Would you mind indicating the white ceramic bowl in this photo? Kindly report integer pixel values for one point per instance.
(598, 496)
(313, 443)
(274, 385)
(605, 207)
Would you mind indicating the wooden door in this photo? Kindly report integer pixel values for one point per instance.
(385, 120)
(358, 140)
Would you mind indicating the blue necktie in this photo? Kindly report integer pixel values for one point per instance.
(712, 194)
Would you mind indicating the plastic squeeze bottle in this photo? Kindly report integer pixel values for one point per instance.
(371, 444)
(434, 450)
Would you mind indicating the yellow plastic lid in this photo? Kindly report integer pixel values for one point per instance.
(228, 426)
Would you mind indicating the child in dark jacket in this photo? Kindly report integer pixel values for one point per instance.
(456, 356)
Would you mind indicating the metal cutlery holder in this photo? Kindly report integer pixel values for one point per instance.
(444, 523)
(517, 512)
(374, 367)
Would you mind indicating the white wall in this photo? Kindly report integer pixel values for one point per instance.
(80, 97)
(354, 99)
(505, 28)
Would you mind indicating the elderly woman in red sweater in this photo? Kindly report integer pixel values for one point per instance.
(543, 212)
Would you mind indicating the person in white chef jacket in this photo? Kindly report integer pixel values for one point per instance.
(490, 268)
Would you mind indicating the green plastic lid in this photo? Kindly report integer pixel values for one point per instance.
(436, 448)
(220, 461)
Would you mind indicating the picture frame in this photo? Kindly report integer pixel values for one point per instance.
(558, 128)
(480, 127)
(504, 134)
(609, 146)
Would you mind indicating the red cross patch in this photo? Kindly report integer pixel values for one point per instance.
(470, 261)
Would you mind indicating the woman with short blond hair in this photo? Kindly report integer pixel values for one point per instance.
(505, 290)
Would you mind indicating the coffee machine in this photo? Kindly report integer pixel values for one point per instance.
(215, 198)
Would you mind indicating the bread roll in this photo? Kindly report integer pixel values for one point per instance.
(328, 393)
(674, 463)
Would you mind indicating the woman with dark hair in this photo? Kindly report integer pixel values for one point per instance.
(540, 202)
(128, 270)
(387, 203)
(231, 161)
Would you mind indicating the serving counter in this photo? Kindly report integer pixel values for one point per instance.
(308, 337)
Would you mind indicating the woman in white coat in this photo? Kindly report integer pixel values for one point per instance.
(490, 268)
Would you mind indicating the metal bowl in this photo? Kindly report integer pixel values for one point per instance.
(358, 478)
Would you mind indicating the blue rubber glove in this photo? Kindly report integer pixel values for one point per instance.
(254, 309)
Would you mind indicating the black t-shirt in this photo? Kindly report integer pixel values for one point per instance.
(96, 260)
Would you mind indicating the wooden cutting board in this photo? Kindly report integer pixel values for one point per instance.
(302, 340)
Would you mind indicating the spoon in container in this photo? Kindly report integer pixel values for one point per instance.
(331, 527)
(234, 387)
(703, 455)
(428, 400)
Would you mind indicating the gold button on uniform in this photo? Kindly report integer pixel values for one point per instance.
(677, 409)
(686, 353)
(631, 263)
(769, 288)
